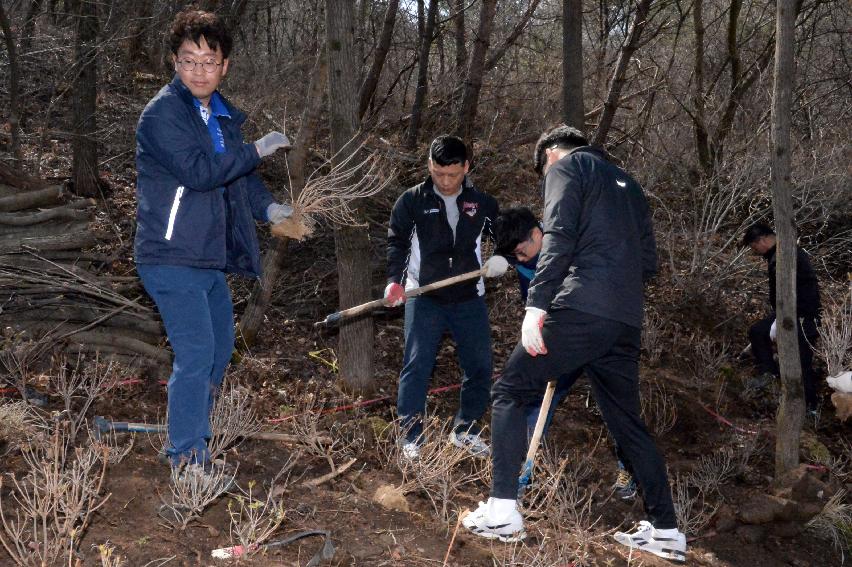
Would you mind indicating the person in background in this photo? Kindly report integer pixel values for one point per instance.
(762, 241)
(518, 236)
(436, 229)
(198, 197)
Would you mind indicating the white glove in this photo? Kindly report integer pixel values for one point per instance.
(273, 141)
(773, 332)
(495, 266)
(531, 331)
(277, 212)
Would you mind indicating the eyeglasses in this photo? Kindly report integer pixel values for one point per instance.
(188, 65)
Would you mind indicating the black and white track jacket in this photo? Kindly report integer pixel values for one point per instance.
(421, 248)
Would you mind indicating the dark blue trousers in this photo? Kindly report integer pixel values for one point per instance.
(608, 352)
(426, 321)
(195, 305)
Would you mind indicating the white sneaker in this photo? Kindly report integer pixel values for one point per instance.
(472, 443)
(484, 522)
(646, 538)
(410, 451)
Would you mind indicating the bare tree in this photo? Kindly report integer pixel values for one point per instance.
(476, 70)
(791, 411)
(85, 92)
(427, 33)
(14, 104)
(368, 88)
(631, 43)
(29, 24)
(572, 63)
(273, 259)
(459, 33)
(352, 245)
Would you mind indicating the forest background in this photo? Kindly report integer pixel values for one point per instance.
(680, 93)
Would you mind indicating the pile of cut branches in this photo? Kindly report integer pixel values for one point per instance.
(51, 284)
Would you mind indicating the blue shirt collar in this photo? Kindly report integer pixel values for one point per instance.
(217, 105)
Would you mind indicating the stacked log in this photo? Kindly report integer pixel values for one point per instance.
(55, 286)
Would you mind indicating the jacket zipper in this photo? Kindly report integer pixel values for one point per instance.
(173, 213)
(445, 216)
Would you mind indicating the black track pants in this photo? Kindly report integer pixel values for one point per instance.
(608, 351)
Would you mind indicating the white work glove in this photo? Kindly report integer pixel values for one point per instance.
(273, 141)
(773, 332)
(394, 294)
(495, 266)
(277, 212)
(531, 331)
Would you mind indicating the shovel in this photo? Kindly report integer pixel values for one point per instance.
(375, 304)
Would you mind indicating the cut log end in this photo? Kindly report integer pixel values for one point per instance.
(296, 227)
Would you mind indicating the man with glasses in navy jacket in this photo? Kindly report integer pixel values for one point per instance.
(198, 200)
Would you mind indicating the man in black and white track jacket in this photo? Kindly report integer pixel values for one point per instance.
(436, 230)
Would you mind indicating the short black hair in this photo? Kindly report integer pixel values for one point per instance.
(562, 136)
(512, 227)
(755, 232)
(195, 24)
(448, 150)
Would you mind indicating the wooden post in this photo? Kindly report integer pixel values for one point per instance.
(791, 411)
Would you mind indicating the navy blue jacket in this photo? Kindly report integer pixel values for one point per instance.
(598, 247)
(196, 207)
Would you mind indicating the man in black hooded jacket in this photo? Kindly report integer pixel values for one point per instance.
(584, 311)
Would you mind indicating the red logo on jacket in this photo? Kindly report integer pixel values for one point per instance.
(470, 208)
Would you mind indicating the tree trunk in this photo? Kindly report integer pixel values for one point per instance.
(368, 88)
(573, 112)
(261, 294)
(699, 122)
(29, 24)
(14, 101)
(427, 32)
(138, 52)
(461, 47)
(791, 410)
(513, 36)
(476, 71)
(738, 85)
(617, 82)
(85, 92)
(352, 245)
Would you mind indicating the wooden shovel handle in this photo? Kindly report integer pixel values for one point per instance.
(376, 303)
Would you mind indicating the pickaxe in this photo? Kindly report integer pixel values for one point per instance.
(375, 304)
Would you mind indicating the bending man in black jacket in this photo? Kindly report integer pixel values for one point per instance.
(584, 311)
(435, 232)
(761, 239)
